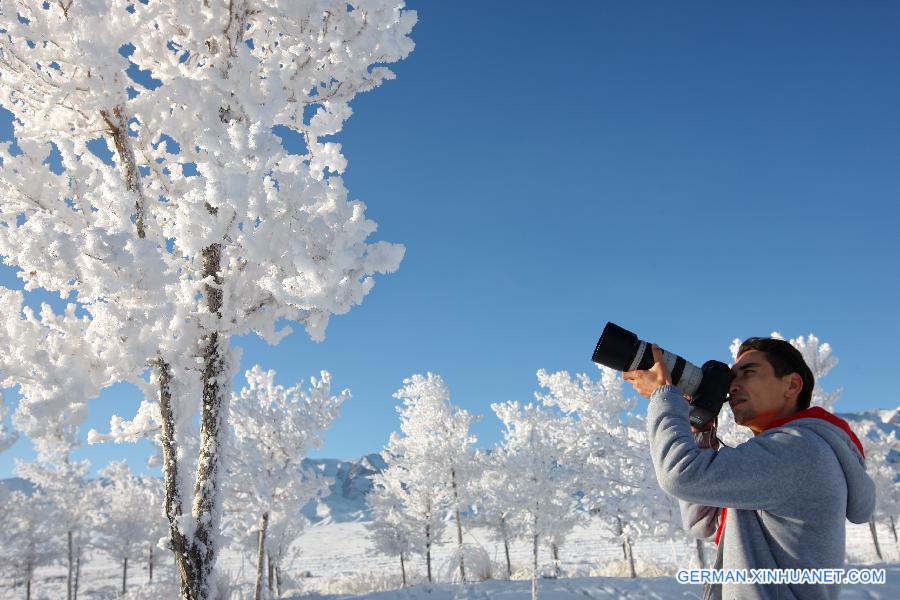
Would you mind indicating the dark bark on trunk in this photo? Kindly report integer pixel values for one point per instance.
(534, 563)
(620, 529)
(270, 576)
(631, 570)
(77, 574)
(186, 560)
(875, 538)
(428, 550)
(508, 562)
(894, 529)
(180, 544)
(216, 382)
(28, 588)
(402, 571)
(70, 565)
(554, 552)
(700, 555)
(117, 128)
(260, 555)
(277, 580)
(124, 574)
(459, 536)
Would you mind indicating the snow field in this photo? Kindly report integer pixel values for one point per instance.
(340, 561)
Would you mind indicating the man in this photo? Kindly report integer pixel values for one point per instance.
(788, 491)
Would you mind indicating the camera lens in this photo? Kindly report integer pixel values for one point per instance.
(621, 350)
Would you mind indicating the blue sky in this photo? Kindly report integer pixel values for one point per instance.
(694, 171)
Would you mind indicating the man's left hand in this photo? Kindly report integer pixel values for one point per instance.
(645, 382)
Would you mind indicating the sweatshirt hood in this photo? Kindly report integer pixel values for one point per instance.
(850, 454)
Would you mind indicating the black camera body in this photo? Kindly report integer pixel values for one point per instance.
(707, 386)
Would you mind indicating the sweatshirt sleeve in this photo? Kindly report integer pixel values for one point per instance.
(698, 520)
(758, 474)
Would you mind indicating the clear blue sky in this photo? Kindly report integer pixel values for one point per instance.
(694, 171)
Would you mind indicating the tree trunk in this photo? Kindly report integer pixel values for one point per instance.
(260, 555)
(534, 563)
(508, 562)
(402, 571)
(620, 529)
(277, 580)
(71, 564)
(216, 387)
(77, 574)
(505, 537)
(270, 577)
(701, 557)
(151, 563)
(894, 528)
(428, 550)
(459, 536)
(117, 124)
(630, 553)
(875, 538)
(124, 574)
(187, 569)
(554, 552)
(29, 573)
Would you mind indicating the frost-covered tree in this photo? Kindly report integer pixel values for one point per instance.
(64, 483)
(434, 454)
(128, 519)
(492, 509)
(286, 523)
(7, 436)
(879, 440)
(273, 430)
(610, 446)
(30, 536)
(147, 185)
(391, 528)
(542, 483)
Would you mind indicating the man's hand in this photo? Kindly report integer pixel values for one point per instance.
(645, 382)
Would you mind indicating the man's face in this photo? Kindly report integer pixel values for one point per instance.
(757, 396)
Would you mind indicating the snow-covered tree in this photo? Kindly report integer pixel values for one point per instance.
(30, 536)
(391, 528)
(610, 446)
(542, 483)
(129, 517)
(434, 455)
(879, 440)
(63, 482)
(7, 436)
(286, 523)
(273, 430)
(492, 509)
(147, 185)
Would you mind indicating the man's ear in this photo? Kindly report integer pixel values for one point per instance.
(794, 386)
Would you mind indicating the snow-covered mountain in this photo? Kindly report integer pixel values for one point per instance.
(345, 502)
(351, 483)
(16, 484)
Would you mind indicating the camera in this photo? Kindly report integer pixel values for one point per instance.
(707, 386)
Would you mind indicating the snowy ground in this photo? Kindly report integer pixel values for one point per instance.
(337, 561)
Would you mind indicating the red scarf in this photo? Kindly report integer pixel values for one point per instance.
(816, 412)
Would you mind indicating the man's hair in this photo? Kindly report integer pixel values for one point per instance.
(785, 359)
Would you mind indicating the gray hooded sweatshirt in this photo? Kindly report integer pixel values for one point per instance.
(788, 491)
